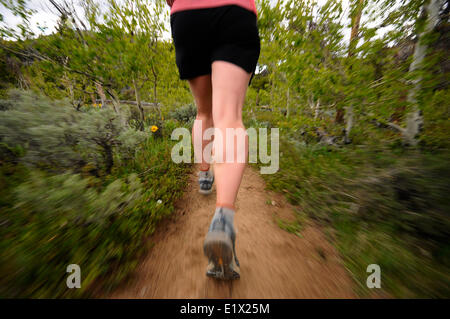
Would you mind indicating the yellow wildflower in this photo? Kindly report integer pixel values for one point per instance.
(154, 128)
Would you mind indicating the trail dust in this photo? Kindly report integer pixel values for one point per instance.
(274, 262)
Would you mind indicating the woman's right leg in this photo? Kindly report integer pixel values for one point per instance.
(229, 83)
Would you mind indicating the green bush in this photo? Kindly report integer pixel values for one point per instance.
(50, 222)
(56, 221)
(383, 206)
(185, 114)
(55, 136)
(52, 218)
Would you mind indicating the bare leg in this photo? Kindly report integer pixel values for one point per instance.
(229, 86)
(202, 90)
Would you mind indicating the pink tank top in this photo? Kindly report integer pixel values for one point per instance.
(180, 5)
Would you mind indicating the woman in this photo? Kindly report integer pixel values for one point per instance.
(217, 47)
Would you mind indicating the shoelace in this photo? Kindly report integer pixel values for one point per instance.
(206, 175)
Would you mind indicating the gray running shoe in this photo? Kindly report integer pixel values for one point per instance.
(205, 181)
(219, 247)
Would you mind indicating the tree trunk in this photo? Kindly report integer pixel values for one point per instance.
(71, 92)
(316, 110)
(288, 109)
(116, 105)
(109, 159)
(155, 85)
(143, 103)
(349, 125)
(339, 118)
(101, 93)
(138, 102)
(69, 86)
(272, 85)
(155, 92)
(114, 100)
(356, 19)
(155, 97)
(311, 103)
(414, 119)
(93, 99)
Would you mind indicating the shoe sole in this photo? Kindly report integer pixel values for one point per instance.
(219, 250)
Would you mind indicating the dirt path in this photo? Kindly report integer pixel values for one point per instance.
(274, 263)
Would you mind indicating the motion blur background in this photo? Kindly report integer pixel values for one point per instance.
(89, 95)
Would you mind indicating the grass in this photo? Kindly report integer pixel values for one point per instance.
(381, 205)
(101, 224)
(293, 227)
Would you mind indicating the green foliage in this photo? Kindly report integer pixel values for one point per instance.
(341, 105)
(436, 121)
(55, 136)
(54, 217)
(56, 221)
(20, 9)
(184, 114)
(383, 206)
(292, 227)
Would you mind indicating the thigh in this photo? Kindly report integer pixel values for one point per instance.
(202, 91)
(237, 38)
(229, 86)
(190, 34)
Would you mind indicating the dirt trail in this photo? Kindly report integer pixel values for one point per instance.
(274, 263)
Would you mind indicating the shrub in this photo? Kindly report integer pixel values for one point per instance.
(185, 114)
(53, 217)
(380, 205)
(55, 136)
(57, 221)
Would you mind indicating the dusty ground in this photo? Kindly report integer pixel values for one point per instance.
(274, 262)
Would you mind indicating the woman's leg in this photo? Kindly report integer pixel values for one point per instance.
(201, 88)
(229, 86)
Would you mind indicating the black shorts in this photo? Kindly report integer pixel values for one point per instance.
(201, 36)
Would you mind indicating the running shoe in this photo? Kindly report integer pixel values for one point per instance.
(219, 247)
(205, 181)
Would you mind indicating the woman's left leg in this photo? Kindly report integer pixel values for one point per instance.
(201, 89)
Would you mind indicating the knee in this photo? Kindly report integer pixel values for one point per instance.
(204, 115)
(230, 122)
